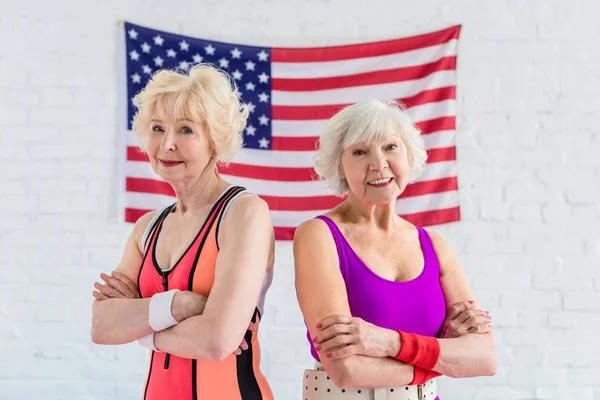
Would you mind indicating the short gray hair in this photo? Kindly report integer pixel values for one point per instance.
(367, 121)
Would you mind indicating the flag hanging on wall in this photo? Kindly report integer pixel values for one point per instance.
(291, 92)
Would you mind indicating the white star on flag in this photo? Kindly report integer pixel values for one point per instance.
(158, 61)
(237, 75)
(263, 120)
(263, 56)
(197, 58)
(158, 40)
(136, 78)
(251, 106)
(237, 93)
(236, 53)
(250, 86)
(263, 78)
(250, 130)
(210, 50)
(134, 55)
(224, 63)
(184, 65)
(133, 34)
(263, 143)
(250, 66)
(184, 46)
(171, 53)
(263, 97)
(146, 47)
(147, 69)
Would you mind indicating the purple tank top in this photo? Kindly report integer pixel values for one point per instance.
(415, 306)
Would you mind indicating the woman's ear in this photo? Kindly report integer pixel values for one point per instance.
(341, 173)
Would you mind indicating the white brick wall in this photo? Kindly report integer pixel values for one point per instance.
(529, 183)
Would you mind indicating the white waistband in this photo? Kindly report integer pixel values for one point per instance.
(318, 386)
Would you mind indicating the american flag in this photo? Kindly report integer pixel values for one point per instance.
(291, 92)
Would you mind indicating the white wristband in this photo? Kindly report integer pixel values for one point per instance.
(148, 342)
(160, 316)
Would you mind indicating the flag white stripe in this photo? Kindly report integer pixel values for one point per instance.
(353, 94)
(324, 69)
(287, 128)
(148, 201)
(440, 139)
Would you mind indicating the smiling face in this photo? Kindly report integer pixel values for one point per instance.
(376, 172)
(178, 149)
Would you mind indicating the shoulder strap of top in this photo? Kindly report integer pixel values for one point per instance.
(431, 259)
(158, 215)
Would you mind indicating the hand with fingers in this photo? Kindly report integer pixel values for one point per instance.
(463, 318)
(341, 336)
(116, 286)
(244, 345)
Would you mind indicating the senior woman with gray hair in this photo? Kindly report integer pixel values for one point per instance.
(386, 303)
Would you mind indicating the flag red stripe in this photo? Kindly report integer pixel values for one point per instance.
(145, 185)
(135, 154)
(428, 187)
(280, 174)
(427, 218)
(292, 143)
(437, 124)
(435, 217)
(372, 49)
(441, 154)
(133, 214)
(304, 113)
(364, 79)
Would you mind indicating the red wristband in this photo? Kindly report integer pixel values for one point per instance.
(423, 375)
(417, 350)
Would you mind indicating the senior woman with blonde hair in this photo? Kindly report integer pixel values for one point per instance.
(190, 285)
(386, 303)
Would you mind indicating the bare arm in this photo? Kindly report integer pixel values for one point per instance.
(118, 320)
(322, 293)
(245, 240)
(473, 354)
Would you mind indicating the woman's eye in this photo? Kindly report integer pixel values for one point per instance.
(358, 152)
(392, 147)
(157, 129)
(187, 131)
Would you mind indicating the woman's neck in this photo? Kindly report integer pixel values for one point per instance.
(382, 216)
(195, 195)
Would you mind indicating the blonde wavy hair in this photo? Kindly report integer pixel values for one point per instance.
(367, 121)
(205, 94)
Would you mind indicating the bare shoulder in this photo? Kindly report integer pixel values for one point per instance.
(247, 220)
(310, 238)
(438, 241)
(248, 208)
(445, 253)
(312, 229)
